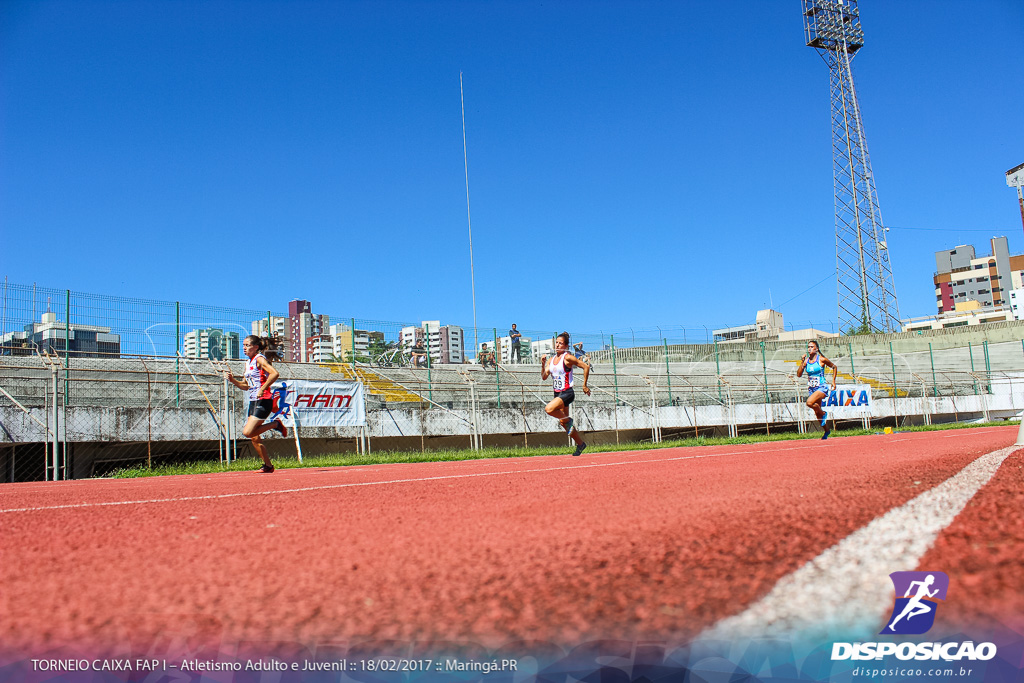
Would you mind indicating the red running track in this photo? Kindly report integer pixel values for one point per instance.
(650, 544)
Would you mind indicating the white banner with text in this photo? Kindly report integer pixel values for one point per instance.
(320, 404)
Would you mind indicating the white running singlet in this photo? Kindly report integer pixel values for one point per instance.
(255, 376)
(561, 377)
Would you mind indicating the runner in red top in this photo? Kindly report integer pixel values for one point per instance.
(259, 376)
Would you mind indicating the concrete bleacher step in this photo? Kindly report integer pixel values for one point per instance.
(873, 383)
(374, 383)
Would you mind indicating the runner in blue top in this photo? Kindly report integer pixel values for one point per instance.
(817, 387)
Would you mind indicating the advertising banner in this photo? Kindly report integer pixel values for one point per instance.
(848, 400)
(320, 404)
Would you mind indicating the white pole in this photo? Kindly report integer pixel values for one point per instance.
(465, 159)
(224, 437)
(295, 430)
(56, 464)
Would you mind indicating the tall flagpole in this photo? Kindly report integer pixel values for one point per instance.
(465, 159)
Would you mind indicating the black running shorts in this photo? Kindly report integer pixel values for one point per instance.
(567, 396)
(261, 409)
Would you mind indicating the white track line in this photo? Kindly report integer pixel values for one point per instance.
(325, 487)
(846, 591)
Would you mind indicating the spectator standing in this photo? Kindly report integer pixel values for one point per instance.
(514, 335)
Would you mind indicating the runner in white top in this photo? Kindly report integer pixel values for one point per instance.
(259, 376)
(560, 370)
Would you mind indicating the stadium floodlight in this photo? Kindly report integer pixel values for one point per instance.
(866, 293)
(1015, 178)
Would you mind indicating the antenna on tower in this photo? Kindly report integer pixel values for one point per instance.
(864, 285)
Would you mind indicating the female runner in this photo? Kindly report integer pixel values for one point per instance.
(259, 376)
(815, 363)
(560, 370)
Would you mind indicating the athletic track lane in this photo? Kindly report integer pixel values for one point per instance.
(637, 545)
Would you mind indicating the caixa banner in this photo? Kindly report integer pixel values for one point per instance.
(319, 404)
(848, 400)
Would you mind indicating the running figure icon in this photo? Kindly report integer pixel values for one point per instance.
(916, 606)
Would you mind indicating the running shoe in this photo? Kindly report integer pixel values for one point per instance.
(279, 426)
(825, 435)
(568, 426)
(266, 469)
(824, 419)
(579, 448)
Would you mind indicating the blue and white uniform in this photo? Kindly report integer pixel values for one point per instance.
(816, 380)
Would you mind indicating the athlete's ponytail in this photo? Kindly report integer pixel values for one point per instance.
(266, 346)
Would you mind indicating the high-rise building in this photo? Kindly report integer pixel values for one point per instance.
(212, 343)
(445, 343)
(344, 340)
(961, 276)
(303, 324)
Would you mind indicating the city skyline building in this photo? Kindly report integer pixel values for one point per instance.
(961, 276)
(53, 336)
(302, 324)
(445, 343)
(212, 343)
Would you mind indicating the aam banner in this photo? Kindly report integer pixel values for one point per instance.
(320, 404)
(848, 400)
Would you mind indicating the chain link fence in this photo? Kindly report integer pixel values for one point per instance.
(73, 406)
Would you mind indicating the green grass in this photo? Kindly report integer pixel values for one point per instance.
(381, 457)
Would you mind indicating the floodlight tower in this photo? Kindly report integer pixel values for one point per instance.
(866, 292)
(1015, 178)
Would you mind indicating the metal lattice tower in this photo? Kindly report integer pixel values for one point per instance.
(866, 292)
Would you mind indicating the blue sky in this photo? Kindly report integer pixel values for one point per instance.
(631, 164)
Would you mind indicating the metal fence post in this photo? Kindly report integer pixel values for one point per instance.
(67, 365)
(853, 370)
(615, 373)
(895, 386)
(970, 351)
(497, 355)
(935, 384)
(668, 372)
(988, 368)
(352, 329)
(430, 381)
(718, 372)
(177, 374)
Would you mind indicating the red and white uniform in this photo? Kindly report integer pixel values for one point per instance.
(560, 376)
(255, 376)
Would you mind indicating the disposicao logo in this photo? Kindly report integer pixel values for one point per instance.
(914, 612)
(917, 596)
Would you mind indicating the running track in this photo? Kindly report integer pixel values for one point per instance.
(659, 544)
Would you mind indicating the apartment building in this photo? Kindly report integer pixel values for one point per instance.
(505, 349)
(212, 343)
(303, 324)
(445, 343)
(345, 340)
(319, 349)
(962, 276)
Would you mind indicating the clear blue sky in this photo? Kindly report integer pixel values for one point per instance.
(631, 164)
